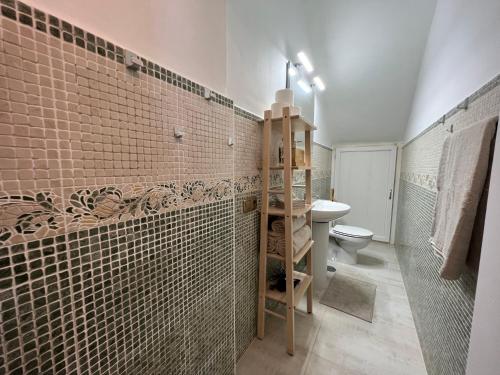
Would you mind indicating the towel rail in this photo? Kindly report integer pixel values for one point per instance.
(464, 105)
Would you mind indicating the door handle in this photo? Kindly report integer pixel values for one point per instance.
(390, 194)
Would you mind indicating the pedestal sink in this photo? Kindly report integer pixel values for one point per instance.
(323, 211)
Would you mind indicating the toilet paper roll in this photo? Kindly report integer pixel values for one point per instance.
(277, 109)
(294, 111)
(284, 96)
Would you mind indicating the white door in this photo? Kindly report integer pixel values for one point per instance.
(364, 179)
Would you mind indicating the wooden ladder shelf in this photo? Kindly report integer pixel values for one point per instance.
(292, 296)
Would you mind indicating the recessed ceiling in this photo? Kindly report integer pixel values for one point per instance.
(368, 54)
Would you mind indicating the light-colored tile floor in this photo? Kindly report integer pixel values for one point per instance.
(330, 342)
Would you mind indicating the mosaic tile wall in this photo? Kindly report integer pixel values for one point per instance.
(132, 297)
(118, 242)
(442, 309)
(248, 158)
(246, 271)
(321, 173)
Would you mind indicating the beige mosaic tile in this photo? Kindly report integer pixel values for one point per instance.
(204, 149)
(98, 139)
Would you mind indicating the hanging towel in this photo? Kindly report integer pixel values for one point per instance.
(279, 224)
(462, 173)
(476, 240)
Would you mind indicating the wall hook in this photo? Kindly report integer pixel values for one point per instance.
(207, 94)
(464, 105)
(442, 120)
(178, 133)
(450, 129)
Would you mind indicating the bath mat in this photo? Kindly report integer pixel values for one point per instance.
(354, 297)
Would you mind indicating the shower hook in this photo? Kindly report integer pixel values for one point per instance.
(464, 105)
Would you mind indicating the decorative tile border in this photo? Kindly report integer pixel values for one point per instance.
(249, 116)
(32, 215)
(427, 181)
(247, 184)
(45, 23)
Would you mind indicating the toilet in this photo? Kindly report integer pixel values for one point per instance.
(350, 239)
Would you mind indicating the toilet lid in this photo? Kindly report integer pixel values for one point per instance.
(351, 231)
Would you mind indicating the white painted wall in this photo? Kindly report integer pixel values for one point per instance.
(462, 54)
(368, 54)
(262, 36)
(187, 36)
(325, 132)
(484, 358)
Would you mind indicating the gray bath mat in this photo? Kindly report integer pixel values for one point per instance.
(351, 296)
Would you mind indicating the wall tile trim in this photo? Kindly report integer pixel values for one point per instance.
(469, 100)
(69, 33)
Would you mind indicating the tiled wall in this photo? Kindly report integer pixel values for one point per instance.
(246, 272)
(322, 171)
(248, 156)
(442, 309)
(123, 250)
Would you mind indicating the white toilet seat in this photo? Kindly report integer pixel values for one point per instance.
(350, 239)
(350, 231)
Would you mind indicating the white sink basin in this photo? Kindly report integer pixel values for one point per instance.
(324, 211)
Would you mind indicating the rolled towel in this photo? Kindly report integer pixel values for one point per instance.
(272, 244)
(279, 225)
(276, 241)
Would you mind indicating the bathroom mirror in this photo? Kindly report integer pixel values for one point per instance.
(301, 99)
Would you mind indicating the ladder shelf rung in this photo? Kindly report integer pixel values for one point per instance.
(281, 190)
(271, 312)
(294, 167)
(276, 190)
(299, 290)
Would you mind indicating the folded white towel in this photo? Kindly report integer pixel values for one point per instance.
(462, 173)
(301, 237)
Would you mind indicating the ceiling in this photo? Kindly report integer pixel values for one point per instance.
(368, 53)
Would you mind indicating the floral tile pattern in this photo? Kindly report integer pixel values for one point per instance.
(425, 180)
(247, 184)
(26, 217)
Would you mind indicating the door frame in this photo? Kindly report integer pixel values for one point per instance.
(393, 148)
